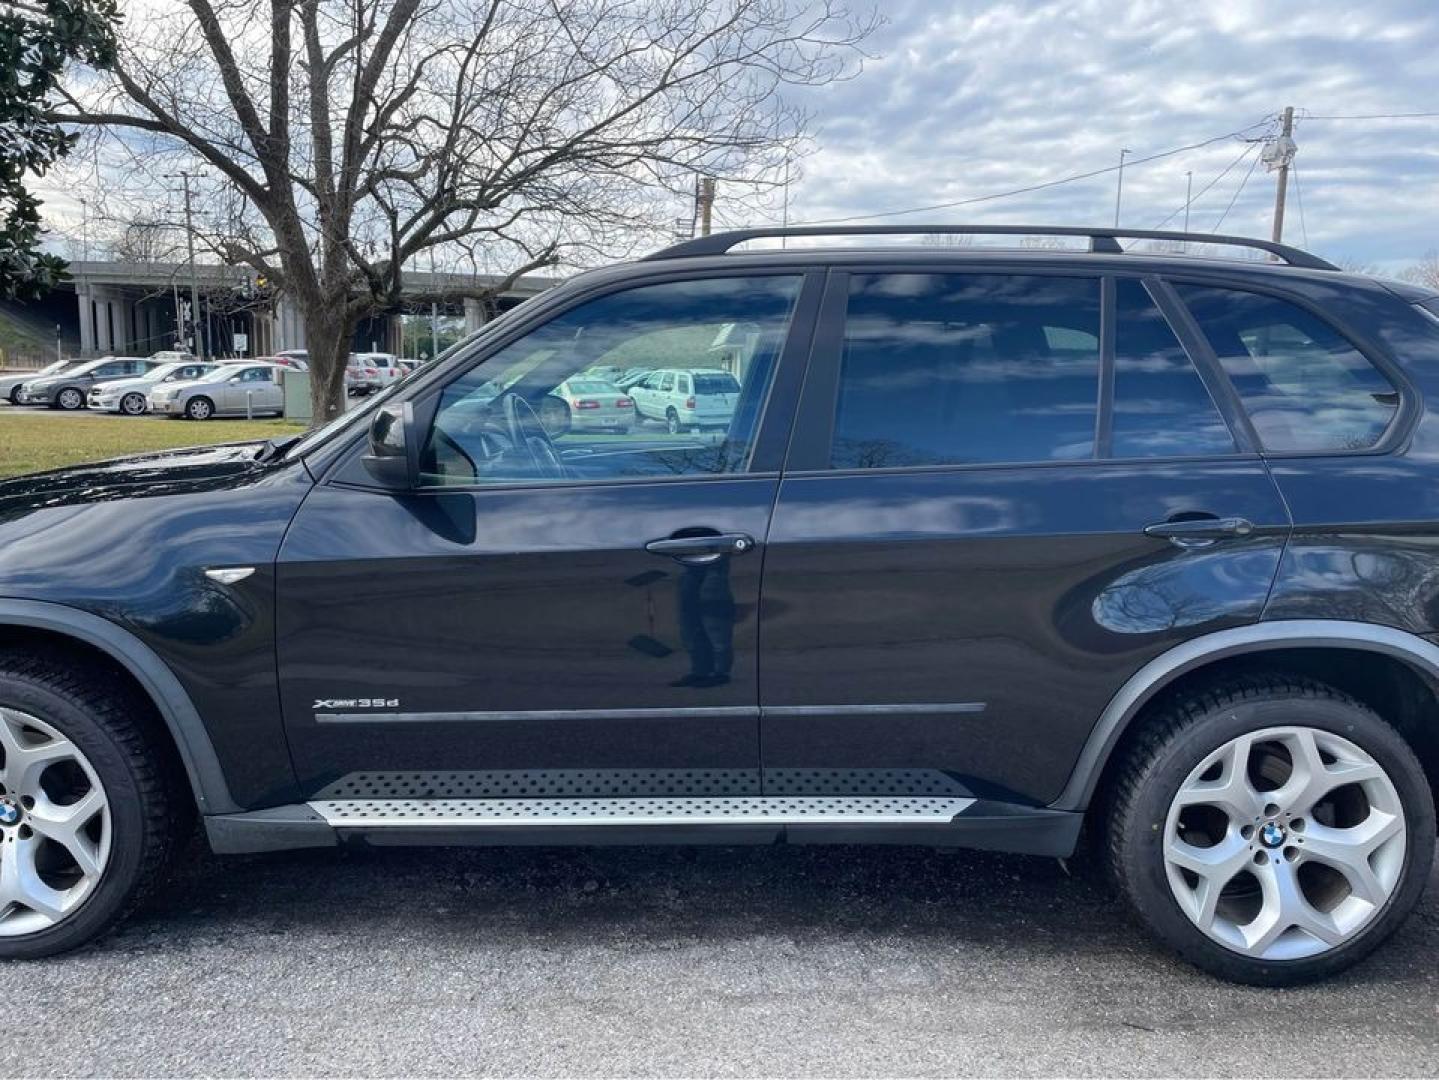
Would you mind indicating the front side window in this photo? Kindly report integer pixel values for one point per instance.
(947, 369)
(1305, 387)
(546, 408)
(1161, 406)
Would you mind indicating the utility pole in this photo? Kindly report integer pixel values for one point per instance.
(706, 200)
(1119, 187)
(783, 240)
(1285, 151)
(1188, 197)
(200, 341)
(434, 311)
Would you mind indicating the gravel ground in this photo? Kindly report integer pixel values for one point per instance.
(709, 961)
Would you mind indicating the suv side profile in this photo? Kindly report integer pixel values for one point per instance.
(992, 546)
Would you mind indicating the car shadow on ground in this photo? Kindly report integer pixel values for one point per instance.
(1061, 912)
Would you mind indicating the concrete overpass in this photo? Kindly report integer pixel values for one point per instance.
(138, 308)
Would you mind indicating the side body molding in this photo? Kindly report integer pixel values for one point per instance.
(207, 780)
(1257, 637)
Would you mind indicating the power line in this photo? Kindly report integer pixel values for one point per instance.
(1373, 116)
(1040, 186)
(1235, 199)
(1248, 149)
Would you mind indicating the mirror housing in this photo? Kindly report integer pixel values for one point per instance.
(393, 457)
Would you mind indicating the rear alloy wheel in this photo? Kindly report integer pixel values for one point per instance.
(133, 404)
(199, 408)
(1273, 832)
(70, 399)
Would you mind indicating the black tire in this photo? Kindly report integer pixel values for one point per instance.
(151, 813)
(128, 404)
(672, 421)
(1178, 738)
(15, 394)
(199, 407)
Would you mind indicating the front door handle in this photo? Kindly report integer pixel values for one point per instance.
(701, 550)
(1199, 531)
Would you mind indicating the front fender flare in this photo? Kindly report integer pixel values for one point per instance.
(202, 766)
(1258, 637)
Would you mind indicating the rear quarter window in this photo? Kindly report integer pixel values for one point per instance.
(1306, 387)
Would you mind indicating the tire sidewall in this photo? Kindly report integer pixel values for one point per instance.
(111, 762)
(132, 412)
(190, 412)
(60, 398)
(1143, 856)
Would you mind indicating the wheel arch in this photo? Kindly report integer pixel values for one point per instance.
(151, 676)
(1407, 675)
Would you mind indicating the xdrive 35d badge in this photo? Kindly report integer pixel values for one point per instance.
(935, 545)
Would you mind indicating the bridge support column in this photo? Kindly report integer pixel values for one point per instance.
(104, 339)
(87, 319)
(475, 316)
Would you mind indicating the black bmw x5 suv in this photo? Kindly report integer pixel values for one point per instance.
(982, 547)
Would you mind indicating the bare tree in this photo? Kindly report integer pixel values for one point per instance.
(348, 137)
(1425, 272)
(148, 240)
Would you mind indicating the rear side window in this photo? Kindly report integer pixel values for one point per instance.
(942, 369)
(715, 384)
(1306, 388)
(1161, 406)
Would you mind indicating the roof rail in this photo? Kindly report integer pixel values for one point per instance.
(1105, 241)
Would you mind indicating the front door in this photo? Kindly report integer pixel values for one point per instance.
(557, 611)
(958, 574)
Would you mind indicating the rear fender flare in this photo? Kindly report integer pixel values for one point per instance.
(1258, 637)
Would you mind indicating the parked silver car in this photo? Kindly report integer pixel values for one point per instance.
(67, 389)
(229, 390)
(686, 399)
(131, 396)
(595, 405)
(10, 384)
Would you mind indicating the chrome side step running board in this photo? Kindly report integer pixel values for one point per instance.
(775, 810)
(935, 820)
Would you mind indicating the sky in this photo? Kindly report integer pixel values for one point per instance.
(964, 99)
(968, 99)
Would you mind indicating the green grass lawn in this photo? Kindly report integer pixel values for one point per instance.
(34, 441)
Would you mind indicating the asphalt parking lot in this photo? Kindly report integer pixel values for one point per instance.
(703, 961)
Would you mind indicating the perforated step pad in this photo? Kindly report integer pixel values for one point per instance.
(773, 810)
(634, 783)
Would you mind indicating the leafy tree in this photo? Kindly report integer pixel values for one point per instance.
(36, 41)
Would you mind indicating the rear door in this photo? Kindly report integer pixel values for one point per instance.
(959, 574)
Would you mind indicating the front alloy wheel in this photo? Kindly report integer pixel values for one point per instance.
(54, 826)
(70, 399)
(133, 404)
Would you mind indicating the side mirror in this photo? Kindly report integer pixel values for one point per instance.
(235, 380)
(394, 454)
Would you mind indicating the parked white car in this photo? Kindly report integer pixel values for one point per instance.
(131, 396)
(228, 390)
(380, 368)
(595, 405)
(686, 399)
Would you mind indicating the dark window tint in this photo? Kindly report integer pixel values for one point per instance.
(1161, 407)
(715, 384)
(1305, 386)
(955, 368)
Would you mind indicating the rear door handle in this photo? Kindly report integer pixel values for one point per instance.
(700, 550)
(1199, 532)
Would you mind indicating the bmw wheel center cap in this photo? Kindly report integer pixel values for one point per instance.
(1273, 834)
